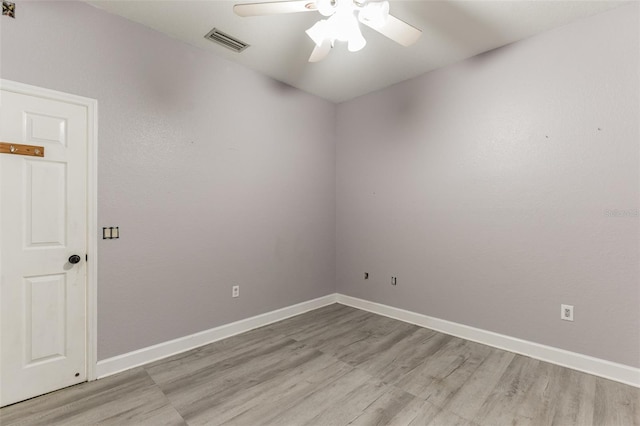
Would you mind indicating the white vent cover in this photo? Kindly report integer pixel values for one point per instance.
(226, 40)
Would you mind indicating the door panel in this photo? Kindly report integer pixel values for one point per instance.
(45, 191)
(43, 221)
(40, 128)
(45, 318)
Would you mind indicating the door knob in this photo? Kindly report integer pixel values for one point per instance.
(74, 259)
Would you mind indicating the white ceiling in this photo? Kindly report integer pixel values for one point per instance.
(452, 31)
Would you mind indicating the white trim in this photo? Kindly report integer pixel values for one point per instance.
(139, 357)
(92, 239)
(92, 204)
(596, 366)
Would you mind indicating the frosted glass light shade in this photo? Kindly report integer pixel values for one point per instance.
(343, 25)
(325, 7)
(357, 43)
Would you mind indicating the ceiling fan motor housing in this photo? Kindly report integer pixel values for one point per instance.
(341, 23)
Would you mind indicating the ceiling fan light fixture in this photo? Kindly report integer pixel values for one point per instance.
(343, 19)
(344, 26)
(356, 43)
(325, 7)
(347, 29)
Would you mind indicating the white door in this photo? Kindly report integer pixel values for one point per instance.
(43, 221)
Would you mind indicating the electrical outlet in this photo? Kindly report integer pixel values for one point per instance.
(366, 275)
(566, 312)
(235, 291)
(394, 280)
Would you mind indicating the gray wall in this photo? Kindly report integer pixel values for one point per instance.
(484, 187)
(215, 174)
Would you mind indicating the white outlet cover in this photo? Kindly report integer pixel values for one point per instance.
(566, 312)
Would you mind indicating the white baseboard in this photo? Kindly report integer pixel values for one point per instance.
(598, 367)
(587, 364)
(142, 356)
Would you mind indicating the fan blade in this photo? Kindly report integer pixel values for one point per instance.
(274, 8)
(320, 52)
(397, 30)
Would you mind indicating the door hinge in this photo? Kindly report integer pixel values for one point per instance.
(86, 257)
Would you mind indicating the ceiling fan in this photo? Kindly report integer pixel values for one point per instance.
(341, 23)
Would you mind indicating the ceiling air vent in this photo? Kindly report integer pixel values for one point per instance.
(226, 40)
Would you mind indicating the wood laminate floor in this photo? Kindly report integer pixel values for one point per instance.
(339, 366)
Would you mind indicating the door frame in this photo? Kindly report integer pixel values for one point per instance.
(91, 106)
